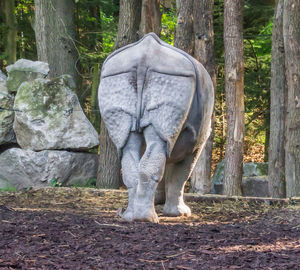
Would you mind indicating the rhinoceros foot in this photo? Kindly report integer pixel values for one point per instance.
(128, 215)
(177, 210)
(139, 215)
(145, 214)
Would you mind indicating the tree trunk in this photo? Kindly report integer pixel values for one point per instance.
(10, 18)
(129, 22)
(205, 54)
(234, 80)
(55, 34)
(150, 17)
(95, 116)
(184, 38)
(97, 39)
(109, 174)
(291, 33)
(276, 168)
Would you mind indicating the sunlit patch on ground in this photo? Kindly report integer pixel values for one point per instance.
(76, 228)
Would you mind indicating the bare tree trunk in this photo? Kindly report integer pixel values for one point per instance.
(205, 54)
(276, 169)
(150, 17)
(291, 33)
(234, 79)
(129, 22)
(97, 26)
(109, 172)
(109, 175)
(55, 34)
(184, 38)
(95, 116)
(10, 18)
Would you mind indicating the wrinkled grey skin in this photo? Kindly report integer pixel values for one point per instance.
(156, 102)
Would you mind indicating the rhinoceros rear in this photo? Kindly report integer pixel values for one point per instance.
(146, 84)
(154, 95)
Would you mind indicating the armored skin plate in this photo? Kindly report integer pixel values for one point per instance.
(148, 83)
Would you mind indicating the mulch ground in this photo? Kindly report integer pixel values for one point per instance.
(68, 228)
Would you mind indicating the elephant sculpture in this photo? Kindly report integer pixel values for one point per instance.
(156, 102)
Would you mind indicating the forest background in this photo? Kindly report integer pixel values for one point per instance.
(96, 23)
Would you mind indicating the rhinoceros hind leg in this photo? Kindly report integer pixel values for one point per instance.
(130, 170)
(160, 195)
(151, 170)
(175, 182)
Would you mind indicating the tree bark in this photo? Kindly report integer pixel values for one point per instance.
(95, 116)
(97, 39)
(291, 33)
(276, 168)
(10, 18)
(234, 80)
(109, 173)
(184, 38)
(205, 54)
(150, 17)
(55, 37)
(129, 22)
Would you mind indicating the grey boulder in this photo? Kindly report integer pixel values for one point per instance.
(251, 169)
(49, 117)
(6, 114)
(216, 186)
(25, 70)
(2, 77)
(255, 187)
(3, 80)
(255, 182)
(25, 168)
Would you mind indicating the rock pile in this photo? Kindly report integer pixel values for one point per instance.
(46, 120)
(6, 117)
(255, 180)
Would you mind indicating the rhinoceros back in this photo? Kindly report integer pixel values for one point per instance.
(146, 84)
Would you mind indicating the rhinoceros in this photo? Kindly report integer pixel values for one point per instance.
(156, 102)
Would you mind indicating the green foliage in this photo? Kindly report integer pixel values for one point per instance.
(8, 189)
(258, 76)
(26, 47)
(96, 23)
(25, 23)
(169, 24)
(258, 25)
(91, 183)
(54, 183)
(257, 14)
(3, 35)
(109, 32)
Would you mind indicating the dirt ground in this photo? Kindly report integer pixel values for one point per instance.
(76, 228)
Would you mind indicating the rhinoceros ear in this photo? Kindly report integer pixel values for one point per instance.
(168, 100)
(117, 102)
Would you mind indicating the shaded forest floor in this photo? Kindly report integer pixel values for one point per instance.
(75, 228)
